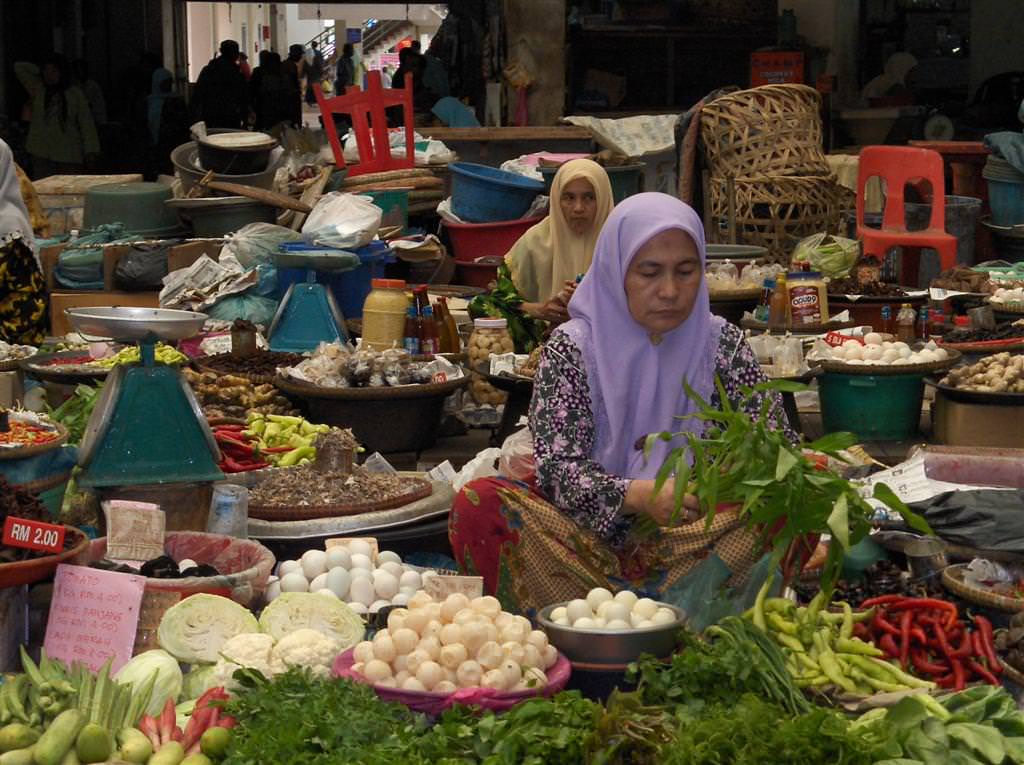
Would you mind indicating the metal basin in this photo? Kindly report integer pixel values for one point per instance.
(612, 647)
(133, 324)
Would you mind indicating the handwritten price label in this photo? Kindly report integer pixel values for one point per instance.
(33, 535)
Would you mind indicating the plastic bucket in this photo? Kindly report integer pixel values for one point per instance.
(477, 274)
(482, 194)
(1005, 191)
(1008, 242)
(625, 179)
(477, 240)
(873, 407)
(395, 205)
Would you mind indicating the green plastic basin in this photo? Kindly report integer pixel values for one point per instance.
(874, 407)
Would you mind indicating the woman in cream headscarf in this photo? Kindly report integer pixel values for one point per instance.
(540, 271)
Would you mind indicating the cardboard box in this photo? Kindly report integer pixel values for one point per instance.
(12, 392)
(958, 424)
(184, 255)
(63, 197)
(59, 301)
(776, 68)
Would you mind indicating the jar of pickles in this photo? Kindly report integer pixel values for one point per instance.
(490, 336)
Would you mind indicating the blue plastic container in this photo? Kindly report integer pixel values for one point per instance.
(349, 288)
(1005, 191)
(482, 194)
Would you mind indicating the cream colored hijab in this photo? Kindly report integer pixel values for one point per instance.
(550, 254)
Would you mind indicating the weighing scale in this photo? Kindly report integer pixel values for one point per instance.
(309, 315)
(147, 427)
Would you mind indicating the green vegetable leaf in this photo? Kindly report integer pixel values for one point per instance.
(786, 462)
(839, 522)
(980, 739)
(884, 494)
(833, 442)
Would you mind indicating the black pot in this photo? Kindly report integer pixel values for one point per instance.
(235, 160)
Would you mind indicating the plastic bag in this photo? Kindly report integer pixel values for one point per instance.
(258, 310)
(142, 268)
(256, 243)
(833, 256)
(516, 460)
(342, 220)
(483, 465)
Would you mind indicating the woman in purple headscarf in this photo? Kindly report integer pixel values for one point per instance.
(640, 325)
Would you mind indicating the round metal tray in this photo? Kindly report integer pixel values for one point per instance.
(611, 647)
(882, 370)
(976, 396)
(428, 390)
(37, 367)
(419, 488)
(134, 324)
(505, 382)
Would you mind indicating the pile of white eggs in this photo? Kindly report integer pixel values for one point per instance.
(613, 613)
(457, 643)
(366, 582)
(876, 351)
(1002, 295)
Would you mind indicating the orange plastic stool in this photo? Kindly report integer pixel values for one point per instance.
(898, 166)
(370, 125)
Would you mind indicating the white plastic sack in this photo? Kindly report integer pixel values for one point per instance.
(345, 221)
(516, 460)
(255, 243)
(483, 465)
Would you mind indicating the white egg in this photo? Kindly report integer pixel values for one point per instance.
(387, 682)
(889, 355)
(401, 677)
(534, 677)
(616, 612)
(853, 351)
(401, 599)
(288, 567)
(388, 556)
(872, 353)
(855, 362)
(557, 613)
(314, 563)
(578, 609)
(325, 591)
(361, 591)
(533, 656)
(395, 569)
(513, 672)
(663, 616)
(617, 625)
(469, 674)
(318, 583)
(635, 618)
(646, 608)
(377, 605)
(357, 608)
(360, 573)
(873, 338)
(930, 345)
(887, 344)
(585, 623)
(490, 656)
(360, 546)
(597, 596)
(626, 598)
(643, 624)
(338, 581)
(941, 354)
(410, 580)
(338, 556)
(385, 584)
(432, 629)
(294, 582)
(416, 657)
(927, 356)
(904, 351)
(514, 651)
(273, 588)
(361, 561)
(562, 621)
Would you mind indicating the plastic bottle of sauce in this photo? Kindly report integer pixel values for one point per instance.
(887, 319)
(922, 322)
(905, 323)
(384, 313)
(430, 342)
(807, 300)
(411, 340)
(761, 313)
(936, 323)
(778, 306)
(453, 328)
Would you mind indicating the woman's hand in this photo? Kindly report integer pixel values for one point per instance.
(661, 508)
(554, 310)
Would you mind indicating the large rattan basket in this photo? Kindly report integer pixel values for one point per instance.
(771, 130)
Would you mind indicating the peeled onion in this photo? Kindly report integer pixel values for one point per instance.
(376, 670)
(452, 605)
(405, 640)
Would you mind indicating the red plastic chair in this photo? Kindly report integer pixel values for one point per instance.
(898, 166)
(366, 109)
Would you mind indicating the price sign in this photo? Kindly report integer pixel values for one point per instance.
(33, 535)
(441, 586)
(135, 530)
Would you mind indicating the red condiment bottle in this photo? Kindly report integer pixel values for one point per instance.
(429, 339)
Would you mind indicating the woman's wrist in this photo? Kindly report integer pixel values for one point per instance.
(638, 496)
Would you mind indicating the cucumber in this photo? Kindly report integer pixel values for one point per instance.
(17, 736)
(58, 738)
(71, 758)
(94, 744)
(17, 757)
(171, 753)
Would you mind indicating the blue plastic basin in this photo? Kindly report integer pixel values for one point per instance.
(482, 194)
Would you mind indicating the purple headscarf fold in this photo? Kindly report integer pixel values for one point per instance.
(636, 387)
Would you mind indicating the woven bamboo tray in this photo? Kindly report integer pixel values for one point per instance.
(986, 346)
(419, 488)
(953, 580)
(12, 365)
(32, 570)
(308, 390)
(202, 364)
(21, 452)
(771, 130)
(882, 370)
(1015, 307)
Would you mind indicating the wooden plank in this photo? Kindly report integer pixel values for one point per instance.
(485, 134)
(59, 324)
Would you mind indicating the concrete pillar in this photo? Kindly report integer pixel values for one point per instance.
(535, 37)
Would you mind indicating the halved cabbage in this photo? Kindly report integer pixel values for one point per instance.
(293, 611)
(140, 669)
(194, 630)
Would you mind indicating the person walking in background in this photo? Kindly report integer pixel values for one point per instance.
(294, 67)
(345, 76)
(272, 92)
(93, 92)
(243, 66)
(314, 71)
(62, 136)
(221, 95)
(385, 76)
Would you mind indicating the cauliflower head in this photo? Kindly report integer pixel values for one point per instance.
(251, 650)
(304, 648)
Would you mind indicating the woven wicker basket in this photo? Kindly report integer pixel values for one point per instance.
(771, 130)
(777, 211)
(953, 580)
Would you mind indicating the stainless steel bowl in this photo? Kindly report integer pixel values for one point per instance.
(129, 324)
(612, 647)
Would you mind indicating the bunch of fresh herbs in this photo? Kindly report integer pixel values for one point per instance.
(74, 413)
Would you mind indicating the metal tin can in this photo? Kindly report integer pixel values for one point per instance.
(229, 511)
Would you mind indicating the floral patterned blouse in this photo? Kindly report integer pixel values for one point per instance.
(562, 424)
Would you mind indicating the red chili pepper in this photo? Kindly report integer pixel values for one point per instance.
(230, 428)
(988, 648)
(981, 672)
(877, 601)
(918, 634)
(946, 681)
(928, 604)
(861, 631)
(881, 624)
(229, 465)
(231, 442)
(905, 620)
(958, 675)
(276, 449)
(888, 645)
(943, 642)
(966, 648)
(923, 664)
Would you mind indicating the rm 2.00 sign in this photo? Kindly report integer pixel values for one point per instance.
(33, 535)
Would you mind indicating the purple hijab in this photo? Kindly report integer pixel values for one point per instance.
(636, 387)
